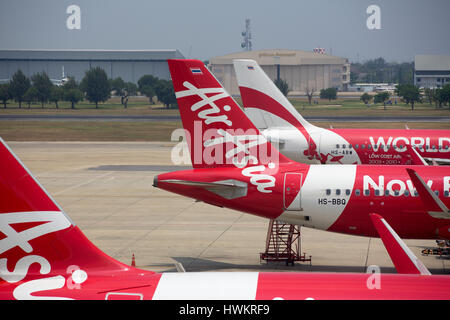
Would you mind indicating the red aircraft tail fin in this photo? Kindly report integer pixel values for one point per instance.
(35, 231)
(403, 258)
(262, 99)
(218, 132)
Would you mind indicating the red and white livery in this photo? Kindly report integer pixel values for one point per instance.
(237, 167)
(45, 256)
(301, 141)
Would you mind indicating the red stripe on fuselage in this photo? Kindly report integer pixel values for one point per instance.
(322, 286)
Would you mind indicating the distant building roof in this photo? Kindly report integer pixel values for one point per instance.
(76, 54)
(432, 62)
(286, 57)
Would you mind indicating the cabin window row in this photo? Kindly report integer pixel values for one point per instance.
(377, 192)
(387, 147)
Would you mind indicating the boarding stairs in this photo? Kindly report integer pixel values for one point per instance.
(283, 244)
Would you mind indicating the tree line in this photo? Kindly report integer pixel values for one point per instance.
(94, 87)
(411, 95)
(438, 96)
(380, 71)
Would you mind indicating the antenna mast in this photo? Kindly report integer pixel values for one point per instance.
(247, 43)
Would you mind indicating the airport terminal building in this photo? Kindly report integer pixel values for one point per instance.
(431, 71)
(130, 65)
(300, 69)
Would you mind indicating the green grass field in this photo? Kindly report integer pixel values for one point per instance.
(355, 107)
(136, 106)
(141, 106)
(161, 130)
(87, 130)
(142, 131)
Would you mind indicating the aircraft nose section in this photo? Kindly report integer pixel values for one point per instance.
(155, 181)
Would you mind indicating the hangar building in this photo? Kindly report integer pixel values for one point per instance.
(431, 71)
(130, 65)
(300, 69)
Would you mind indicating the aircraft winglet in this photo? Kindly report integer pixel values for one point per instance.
(435, 207)
(403, 258)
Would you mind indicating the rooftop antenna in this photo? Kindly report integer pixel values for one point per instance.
(247, 43)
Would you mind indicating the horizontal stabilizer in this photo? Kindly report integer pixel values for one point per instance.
(258, 118)
(179, 267)
(228, 189)
(435, 207)
(437, 161)
(276, 141)
(403, 258)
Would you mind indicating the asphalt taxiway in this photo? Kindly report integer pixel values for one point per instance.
(106, 189)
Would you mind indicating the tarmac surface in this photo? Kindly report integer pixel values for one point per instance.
(140, 118)
(106, 189)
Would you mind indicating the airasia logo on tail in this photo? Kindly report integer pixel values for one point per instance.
(242, 144)
(214, 141)
(209, 115)
(53, 221)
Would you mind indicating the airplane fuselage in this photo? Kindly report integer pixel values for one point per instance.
(359, 146)
(328, 197)
(135, 284)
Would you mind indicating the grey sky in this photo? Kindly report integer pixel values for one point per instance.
(206, 28)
